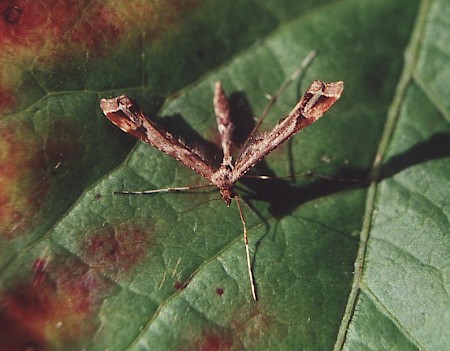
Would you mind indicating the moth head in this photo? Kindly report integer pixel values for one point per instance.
(227, 195)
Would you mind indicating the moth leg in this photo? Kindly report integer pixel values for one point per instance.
(247, 250)
(308, 174)
(163, 190)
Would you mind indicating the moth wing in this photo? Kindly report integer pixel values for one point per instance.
(319, 97)
(125, 113)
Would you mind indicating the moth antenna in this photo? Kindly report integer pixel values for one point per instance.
(297, 73)
(247, 250)
(273, 99)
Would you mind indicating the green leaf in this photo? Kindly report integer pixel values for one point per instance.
(337, 264)
(406, 275)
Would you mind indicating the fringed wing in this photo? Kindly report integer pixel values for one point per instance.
(125, 113)
(319, 97)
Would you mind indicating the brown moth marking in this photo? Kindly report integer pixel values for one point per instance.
(126, 114)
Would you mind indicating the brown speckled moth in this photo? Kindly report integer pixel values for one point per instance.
(125, 113)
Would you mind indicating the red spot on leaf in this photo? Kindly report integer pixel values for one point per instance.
(250, 327)
(24, 23)
(116, 249)
(55, 25)
(219, 291)
(8, 98)
(26, 164)
(102, 26)
(71, 28)
(12, 14)
(23, 182)
(53, 35)
(181, 285)
(215, 342)
(61, 310)
(39, 266)
(211, 340)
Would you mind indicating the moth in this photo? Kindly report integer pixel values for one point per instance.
(125, 113)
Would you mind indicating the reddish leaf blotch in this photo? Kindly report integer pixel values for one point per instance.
(215, 342)
(23, 181)
(60, 310)
(116, 249)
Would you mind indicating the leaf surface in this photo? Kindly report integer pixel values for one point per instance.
(337, 264)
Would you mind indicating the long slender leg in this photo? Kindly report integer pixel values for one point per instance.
(308, 174)
(163, 190)
(247, 250)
